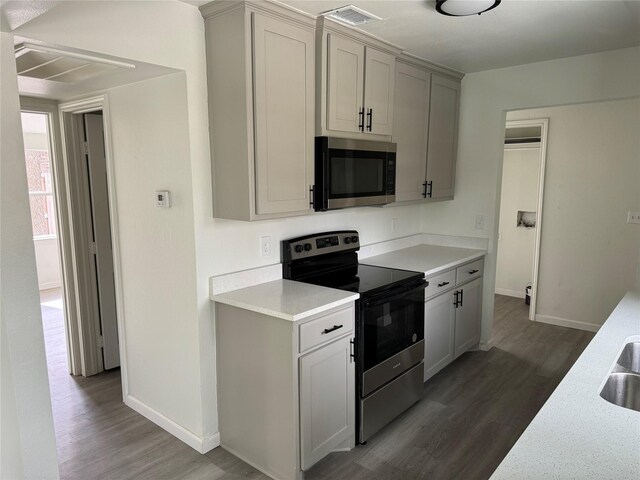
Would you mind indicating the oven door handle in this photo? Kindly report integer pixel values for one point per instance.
(384, 299)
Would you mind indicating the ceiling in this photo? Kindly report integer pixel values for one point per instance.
(515, 33)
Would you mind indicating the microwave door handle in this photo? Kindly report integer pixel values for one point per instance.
(384, 299)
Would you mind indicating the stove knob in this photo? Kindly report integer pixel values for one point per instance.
(307, 247)
(347, 240)
(354, 239)
(299, 248)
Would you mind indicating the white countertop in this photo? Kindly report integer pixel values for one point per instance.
(430, 259)
(577, 434)
(286, 299)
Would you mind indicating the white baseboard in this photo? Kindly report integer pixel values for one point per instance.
(563, 322)
(47, 286)
(202, 445)
(509, 293)
(485, 346)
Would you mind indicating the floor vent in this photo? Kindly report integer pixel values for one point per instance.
(351, 15)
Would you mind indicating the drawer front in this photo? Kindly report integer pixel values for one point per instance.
(326, 328)
(469, 271)
(440, 283)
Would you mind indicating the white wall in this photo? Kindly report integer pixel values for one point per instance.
(515, 244)
(162, 285)
(588, 253)
(47, 263)
(150, 139)
(486, 96)
(28, 446)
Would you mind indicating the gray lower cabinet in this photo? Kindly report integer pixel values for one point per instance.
(327, 400)
(439, 322)
(286, 390)
(452, 315)
(468, 315)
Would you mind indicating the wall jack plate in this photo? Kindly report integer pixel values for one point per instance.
(633, 217)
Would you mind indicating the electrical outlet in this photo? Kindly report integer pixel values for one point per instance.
(394, 224)
(265, 246)
(479, 222)
(633, 217)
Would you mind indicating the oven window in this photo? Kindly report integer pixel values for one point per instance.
(355, 175)
(389, 327)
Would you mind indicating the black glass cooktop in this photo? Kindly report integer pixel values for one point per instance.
(365, 279)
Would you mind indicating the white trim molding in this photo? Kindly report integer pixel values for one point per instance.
(200, 444)
(564, 322)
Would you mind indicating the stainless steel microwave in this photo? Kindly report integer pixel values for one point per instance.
(353, 173)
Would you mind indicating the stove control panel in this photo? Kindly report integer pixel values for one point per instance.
(319, 244)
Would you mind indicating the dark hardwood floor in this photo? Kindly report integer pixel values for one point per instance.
(471, 415)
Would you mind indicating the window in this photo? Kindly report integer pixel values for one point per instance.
(37, 152)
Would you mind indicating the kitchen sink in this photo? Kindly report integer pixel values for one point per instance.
(629, 359)
(623, 389)
(623, 384)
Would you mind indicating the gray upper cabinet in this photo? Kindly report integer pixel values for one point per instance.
(345, 84)
(356, 76)
(442, 145)
(426, 132)
(411, 121)
(261, 68)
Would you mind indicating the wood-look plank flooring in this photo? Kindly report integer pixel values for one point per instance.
(471, 415)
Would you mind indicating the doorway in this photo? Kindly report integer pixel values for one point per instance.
(520, 217)
(70, 201)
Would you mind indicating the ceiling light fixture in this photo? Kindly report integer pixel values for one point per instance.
(462, 8)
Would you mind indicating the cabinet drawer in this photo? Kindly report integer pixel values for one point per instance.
(469, 271)
(326, 328)
(440, 283)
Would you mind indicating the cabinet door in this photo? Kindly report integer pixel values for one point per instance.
(439, 319)
(443, 136)
(379, 78)
(410, 127)
(468, 316)
(327, 402)
(283, 63)
(344, 84)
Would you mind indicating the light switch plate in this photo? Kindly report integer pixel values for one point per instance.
(633, 217)
(163, 199)
(479, 222)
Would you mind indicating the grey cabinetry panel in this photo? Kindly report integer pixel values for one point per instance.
(261, 83)
(443, 137)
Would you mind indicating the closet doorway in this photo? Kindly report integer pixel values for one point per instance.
(521, 210)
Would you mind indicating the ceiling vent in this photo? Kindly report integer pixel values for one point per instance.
(351, 15)
(46, 63)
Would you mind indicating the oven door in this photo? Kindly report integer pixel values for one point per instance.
(392, 335)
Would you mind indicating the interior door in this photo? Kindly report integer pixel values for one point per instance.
(101, 230)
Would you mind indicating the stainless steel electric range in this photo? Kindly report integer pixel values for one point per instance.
(389, 333)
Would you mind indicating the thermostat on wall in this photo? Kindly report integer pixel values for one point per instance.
(163, 199)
